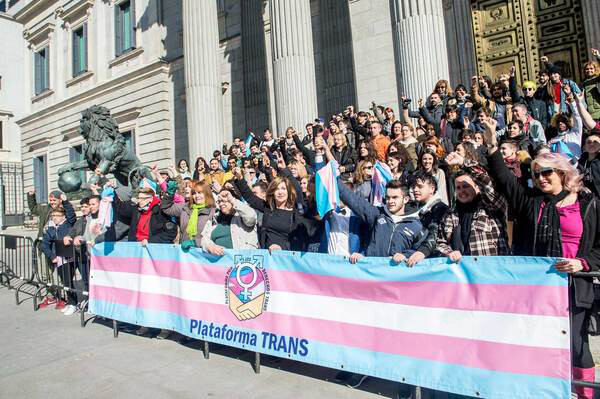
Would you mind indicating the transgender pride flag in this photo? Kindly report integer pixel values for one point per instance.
(489, 327)
(327, 194)
(381, 176)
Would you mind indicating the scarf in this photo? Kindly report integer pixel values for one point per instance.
(514, 165)
(548, 235)
(192, 227)
(465, 220)
(143, 227)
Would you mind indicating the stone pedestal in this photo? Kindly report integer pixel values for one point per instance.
(421, 49)
(293, 64)
(203, 92)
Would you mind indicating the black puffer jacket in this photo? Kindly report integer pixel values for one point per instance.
(345, 158)
(163, 230)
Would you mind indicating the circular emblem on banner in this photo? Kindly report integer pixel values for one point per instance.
(247, 287)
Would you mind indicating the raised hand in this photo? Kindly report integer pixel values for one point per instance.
(454, 158)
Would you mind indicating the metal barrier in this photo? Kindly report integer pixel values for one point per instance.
(586, 384)
(18, 262)
(59, 278)
(22, 259)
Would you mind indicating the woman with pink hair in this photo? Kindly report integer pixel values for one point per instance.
(557, 219)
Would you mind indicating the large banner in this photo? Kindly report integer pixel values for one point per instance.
(491, 327)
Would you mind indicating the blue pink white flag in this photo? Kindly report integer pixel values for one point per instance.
(381, 176)
(490, 327)
(326, 189)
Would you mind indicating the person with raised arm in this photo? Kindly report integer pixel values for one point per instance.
(562, 221)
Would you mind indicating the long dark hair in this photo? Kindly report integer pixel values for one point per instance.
(428, 151)
(206, 169)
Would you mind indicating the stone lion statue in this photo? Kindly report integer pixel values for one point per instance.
(105, 152)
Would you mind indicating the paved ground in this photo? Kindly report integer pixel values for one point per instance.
(45, 354)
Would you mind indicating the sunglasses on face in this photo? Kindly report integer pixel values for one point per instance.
(545, 172)
(592, 142)
(528, 88)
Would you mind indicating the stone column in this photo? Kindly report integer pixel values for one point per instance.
(420, 41)
(293, 64)
(336, 52)
(459, 37)
(591, 15)
(203, 91)
(256, 89)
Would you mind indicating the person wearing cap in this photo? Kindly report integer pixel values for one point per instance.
(591, 85)
(554, 95)
(56, 198)
(536, 108)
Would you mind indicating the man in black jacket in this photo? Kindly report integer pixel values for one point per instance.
(431, 211)
(148, 223)
(535, 107)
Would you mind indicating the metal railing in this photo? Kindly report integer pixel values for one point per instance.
(23, 264)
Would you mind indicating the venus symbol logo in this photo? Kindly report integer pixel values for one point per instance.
(247, 287)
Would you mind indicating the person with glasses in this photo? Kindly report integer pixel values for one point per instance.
(363, 178)
(476, 224)
(558, 219)
(536, 108)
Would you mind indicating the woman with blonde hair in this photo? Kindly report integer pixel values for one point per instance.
(343, 154)
(363, 177)
(192, 214)
(557, 220)
(297, 169)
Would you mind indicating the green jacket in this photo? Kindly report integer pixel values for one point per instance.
(591, 88)
(42, 211)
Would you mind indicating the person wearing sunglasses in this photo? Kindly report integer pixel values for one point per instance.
(558, 219)
(535, 107)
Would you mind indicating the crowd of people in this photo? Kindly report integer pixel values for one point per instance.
(497, 168)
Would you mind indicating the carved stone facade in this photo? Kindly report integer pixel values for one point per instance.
(519, 32)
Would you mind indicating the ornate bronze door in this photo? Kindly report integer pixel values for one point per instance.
(519, 32)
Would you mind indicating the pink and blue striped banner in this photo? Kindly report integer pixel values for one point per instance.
(492, 327)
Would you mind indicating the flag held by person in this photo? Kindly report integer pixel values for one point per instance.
(326, 188)
(382, 175)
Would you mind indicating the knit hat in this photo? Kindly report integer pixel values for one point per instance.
(554, 69)
(147, 183)
(55, 194)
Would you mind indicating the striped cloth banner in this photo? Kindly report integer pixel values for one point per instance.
(491, 327)
(381, 176)
(327, 194)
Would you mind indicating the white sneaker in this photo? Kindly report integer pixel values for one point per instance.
(69, 310)
(65, 308)
(164, 334)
